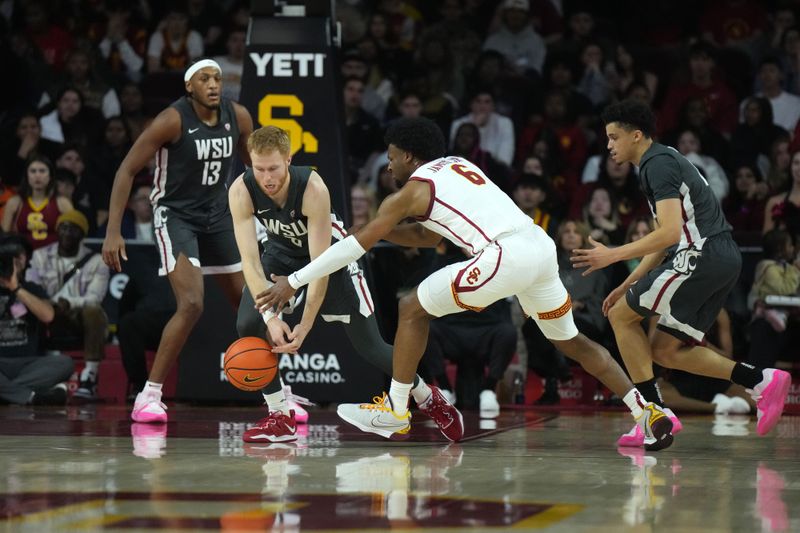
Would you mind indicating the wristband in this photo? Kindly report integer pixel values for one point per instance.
(268, 314)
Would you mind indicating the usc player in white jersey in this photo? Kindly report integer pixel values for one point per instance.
(511, 256)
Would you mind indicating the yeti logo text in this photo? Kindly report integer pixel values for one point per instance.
(287, 65)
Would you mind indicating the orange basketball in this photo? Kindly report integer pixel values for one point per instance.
(250, 364)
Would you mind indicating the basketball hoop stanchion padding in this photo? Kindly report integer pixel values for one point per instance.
(291, 80)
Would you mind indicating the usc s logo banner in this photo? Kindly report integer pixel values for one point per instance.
(299, 138)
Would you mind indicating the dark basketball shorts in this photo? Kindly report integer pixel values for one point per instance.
(689, 288)
(210, 248)
(347, 293)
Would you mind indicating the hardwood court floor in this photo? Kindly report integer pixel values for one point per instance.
(88, 469)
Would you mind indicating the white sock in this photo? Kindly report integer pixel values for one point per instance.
(90, 369)
(398, 393)
(152, 386)
(277, 402)
(635, 402)
(421, 392)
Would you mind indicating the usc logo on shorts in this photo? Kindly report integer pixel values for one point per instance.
(472, 279)
(556, 313)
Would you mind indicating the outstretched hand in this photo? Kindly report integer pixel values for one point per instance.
(595, 258)
(276, 296)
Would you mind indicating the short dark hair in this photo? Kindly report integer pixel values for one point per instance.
(774, 243)
(631, 115)
(420, 136)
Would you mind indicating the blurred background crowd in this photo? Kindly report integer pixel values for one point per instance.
(517, 87)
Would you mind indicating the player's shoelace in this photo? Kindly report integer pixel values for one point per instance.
(379, 403)
(292, 397)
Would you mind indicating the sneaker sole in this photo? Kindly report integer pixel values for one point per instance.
(662, 431)
(385, 433)
(777, 392)
(148, 418)
(270, 438)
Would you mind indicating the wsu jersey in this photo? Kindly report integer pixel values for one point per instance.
(287, 226)
(466, 207)
(191, 173)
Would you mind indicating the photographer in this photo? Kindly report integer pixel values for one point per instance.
(26, 375)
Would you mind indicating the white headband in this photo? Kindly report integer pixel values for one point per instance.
(203, 63)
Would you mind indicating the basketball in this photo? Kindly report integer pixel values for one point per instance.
(250, 364)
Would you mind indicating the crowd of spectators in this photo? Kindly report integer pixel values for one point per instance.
(515, 85)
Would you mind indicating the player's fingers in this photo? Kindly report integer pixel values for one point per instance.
(122, 252)
(588, 271)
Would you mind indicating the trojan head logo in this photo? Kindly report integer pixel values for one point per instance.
(298, 138)
(472, 279)
(685, 260)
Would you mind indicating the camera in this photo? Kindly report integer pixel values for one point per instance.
(10, 249)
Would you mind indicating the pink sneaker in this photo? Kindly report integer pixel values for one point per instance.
(149, 409)
(277, 427)
(635, 437)
(770, 396)
(446, 416)
(295, 402)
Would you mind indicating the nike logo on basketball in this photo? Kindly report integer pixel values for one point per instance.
(248, 379)
(193, 130)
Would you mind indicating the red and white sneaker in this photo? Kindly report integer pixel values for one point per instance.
(446, 416)
(295, 402)
(277, 427)
(635, 437)
(770, 395)
(148, 408)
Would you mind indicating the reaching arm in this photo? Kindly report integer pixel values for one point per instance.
(413, 235)
(668, 232)
(317, 207)
(412, 200)
(245, 232)
(166, 128)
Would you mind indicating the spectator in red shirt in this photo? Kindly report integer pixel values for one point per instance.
(722, 106)
(733, 22)
(54, 42)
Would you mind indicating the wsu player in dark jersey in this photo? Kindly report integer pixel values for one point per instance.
(193, 142)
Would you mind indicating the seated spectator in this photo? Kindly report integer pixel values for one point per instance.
(76, 281)
(638, 228)
(232, 64)
(363, 206)
(90, 195)
(524, 49)
(70, 121)
(463, 40)
(778, 274)
(474, 341)
(530, 195)
(378, 88)
(362, 130)
(685, 392)
(467, 144)
(122, 43)
(628, 71)
(174, 45)
(744, 206)
(595, 83)
(733, 23)
(706, 85)
(496, 130)
(587, 294)
(783, 209)
(53, 41)
(560, 75)
(622, 182)
(80, 75)
(695, 115)
(776, 168)
(27, 375)
(785, 106)
(689, 145)
(601, 216)
(18, 148)
(146, 305)
(33, 212)
(789, 55)
(436, 58)
(753, 138)
(106, 158)
(132, 106)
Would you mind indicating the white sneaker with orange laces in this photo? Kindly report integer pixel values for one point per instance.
(377, 417)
